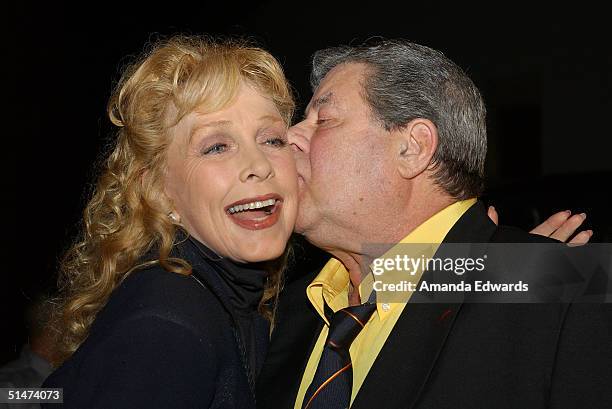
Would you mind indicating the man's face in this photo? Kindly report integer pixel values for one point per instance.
(342, 154)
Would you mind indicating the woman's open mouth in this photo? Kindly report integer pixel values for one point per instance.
(256, 213)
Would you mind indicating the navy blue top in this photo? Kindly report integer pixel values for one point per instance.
(170, 341)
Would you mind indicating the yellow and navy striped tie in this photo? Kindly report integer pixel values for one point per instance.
(333, 380)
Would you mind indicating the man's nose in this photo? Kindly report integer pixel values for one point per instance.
(299, 136)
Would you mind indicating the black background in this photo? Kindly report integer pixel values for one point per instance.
(545, 75)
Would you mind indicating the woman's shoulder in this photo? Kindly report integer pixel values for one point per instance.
(154, 293)
(157, 328)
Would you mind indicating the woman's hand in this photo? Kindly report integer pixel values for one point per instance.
(560, 226)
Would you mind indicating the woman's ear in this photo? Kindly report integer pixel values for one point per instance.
(162, 194)
(418, 142)
(174, 217)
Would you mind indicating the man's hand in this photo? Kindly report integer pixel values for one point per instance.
(560, 226)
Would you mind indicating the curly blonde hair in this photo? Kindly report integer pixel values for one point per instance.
(127, 215)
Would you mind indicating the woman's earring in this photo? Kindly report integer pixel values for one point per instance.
(175, 219)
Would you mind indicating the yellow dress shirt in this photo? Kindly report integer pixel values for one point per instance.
(332, 285)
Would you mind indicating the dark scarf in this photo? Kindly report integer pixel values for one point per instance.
(244, 283)
(239, 287)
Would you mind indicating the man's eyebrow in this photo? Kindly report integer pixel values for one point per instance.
(317, 103)
(323, 99)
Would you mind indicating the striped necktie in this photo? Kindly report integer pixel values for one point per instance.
(333, 380)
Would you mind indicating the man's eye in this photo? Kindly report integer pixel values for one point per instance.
(215, 149)
(321, 121)
(276, 142)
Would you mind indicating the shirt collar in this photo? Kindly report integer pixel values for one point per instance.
(331, 284)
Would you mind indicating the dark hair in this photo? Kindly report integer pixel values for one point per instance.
(406, 81)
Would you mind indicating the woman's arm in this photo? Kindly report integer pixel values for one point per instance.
(148, 362)
(559, 226)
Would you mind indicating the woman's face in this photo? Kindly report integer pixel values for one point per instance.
(232, 179)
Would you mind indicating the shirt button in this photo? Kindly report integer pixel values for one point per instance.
(386, 306)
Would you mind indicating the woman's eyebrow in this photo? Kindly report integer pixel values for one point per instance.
(270, 118)
(212, 124)
(221, 123)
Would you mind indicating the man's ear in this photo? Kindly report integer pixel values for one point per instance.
(417, 144)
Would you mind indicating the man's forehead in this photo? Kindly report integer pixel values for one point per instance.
(337, 84)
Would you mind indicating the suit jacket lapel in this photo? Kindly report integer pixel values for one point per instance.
(405, 362)
(297, 329)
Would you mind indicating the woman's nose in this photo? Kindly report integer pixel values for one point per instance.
(256, 165)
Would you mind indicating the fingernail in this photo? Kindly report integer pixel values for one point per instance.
(583, 215)
(590, 232)
(492, 207)
(568, 212)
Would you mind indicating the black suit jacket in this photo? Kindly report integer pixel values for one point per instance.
(461, 355)
(162, 341)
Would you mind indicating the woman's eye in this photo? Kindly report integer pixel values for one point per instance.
(215, 149)
(276, 142)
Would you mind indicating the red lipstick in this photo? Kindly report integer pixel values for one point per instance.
(256, 219)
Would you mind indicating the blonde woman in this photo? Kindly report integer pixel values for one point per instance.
(166, 295)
